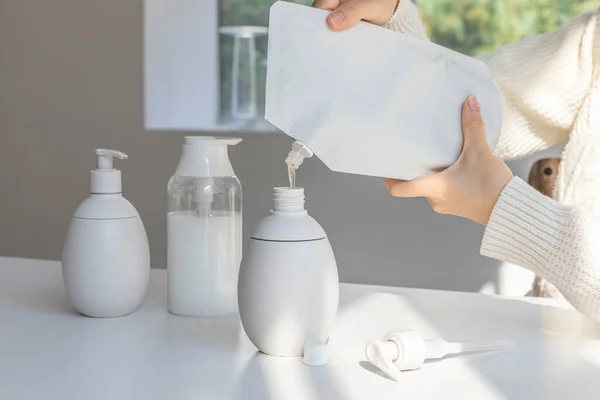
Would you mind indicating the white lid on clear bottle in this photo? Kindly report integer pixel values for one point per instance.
(206, 156)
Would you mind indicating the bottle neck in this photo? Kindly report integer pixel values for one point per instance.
(286, 199)
(204, 160)
(105, 181)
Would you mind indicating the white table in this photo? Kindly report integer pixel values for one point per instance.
(47, 351)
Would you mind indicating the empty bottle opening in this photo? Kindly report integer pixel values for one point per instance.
(288, 199)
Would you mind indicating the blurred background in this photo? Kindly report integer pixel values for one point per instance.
(472, 27)
(72, 80)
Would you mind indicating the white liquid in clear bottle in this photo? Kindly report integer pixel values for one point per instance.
(203, 262)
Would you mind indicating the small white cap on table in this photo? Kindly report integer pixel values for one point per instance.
(315, 353)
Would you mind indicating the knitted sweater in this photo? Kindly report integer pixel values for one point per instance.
(550, 90)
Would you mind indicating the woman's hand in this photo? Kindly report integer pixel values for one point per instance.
(471, 186)
(346, 13)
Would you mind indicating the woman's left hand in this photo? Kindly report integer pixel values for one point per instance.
(347, 13)
(471, 186)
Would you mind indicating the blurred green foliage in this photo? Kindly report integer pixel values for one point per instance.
(249, 12)
(479, 26)
(471, 27)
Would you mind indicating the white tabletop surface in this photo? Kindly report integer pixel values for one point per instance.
(47, 351)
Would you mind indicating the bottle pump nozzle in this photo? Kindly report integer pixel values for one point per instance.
(105, 179)
(105, 158)
(407, 350)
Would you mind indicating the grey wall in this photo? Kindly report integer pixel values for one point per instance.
(71, 81)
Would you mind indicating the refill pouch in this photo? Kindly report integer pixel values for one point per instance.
(368, 100)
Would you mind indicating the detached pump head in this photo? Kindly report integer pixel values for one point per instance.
(105, 179)
(408, 350)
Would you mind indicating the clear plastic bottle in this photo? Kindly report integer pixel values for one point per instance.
(204, 230)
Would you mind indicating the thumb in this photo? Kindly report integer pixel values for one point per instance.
(350, 13)
(473, 126)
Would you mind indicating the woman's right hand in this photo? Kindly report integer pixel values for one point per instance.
(347, 13)
(471, 186)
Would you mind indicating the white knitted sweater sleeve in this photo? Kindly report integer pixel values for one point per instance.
(543, 80)
(557, 242)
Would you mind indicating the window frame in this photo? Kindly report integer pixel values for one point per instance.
(181, 65)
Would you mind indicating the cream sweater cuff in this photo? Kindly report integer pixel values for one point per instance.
(407, 20)
(525, 227)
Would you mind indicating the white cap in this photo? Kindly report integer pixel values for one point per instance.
(105, 179)
(315, 353)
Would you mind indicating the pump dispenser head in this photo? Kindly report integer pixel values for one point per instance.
(105, 179)
(408, 350)
(382, 355)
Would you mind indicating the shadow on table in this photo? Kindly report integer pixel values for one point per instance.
(268, 377)
(52, 299)
(374, 370)
(549, 338)
(555, 364)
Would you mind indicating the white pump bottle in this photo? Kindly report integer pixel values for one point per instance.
(106, 257)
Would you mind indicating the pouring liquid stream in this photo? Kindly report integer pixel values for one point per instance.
(294, 159)
(292, 176)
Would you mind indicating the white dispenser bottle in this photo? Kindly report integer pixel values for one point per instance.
(204, 230)
(106, 257)
(288, 286)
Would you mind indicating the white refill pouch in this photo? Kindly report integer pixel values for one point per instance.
(368, 100)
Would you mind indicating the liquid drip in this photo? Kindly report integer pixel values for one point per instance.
(292, 176)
